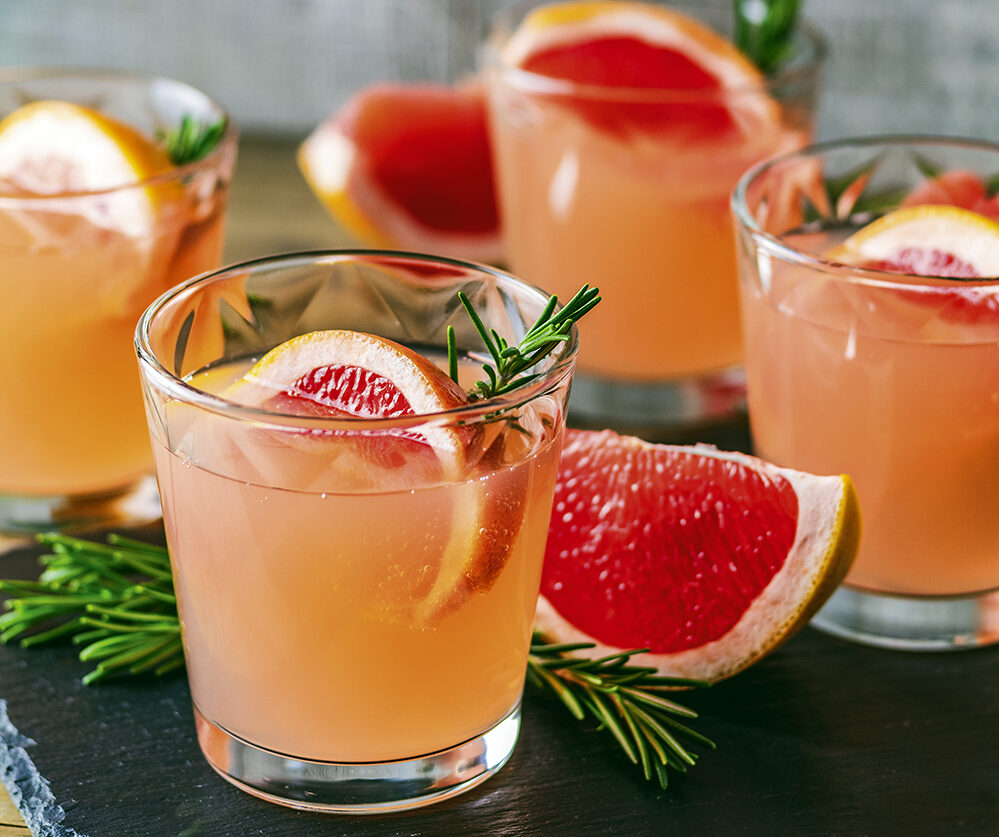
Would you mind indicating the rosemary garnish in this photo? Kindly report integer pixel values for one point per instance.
(764, 30)
(506, 372)
(623, 699)
(191, 140)
(117, 601)
(114, 599)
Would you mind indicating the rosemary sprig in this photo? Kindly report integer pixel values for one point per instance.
(114, 599)
(510, 363)
(623, 698)
(117, 601)
(191, 140)
(764, 30)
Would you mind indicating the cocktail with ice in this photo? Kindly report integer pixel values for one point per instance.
(96, 220)
(871, 316)
(619, 131)
(356, 543)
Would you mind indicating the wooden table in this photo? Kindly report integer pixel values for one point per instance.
(821, 738)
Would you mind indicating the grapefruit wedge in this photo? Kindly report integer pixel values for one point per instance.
(711, 560)
(410, 167)
(349, 374)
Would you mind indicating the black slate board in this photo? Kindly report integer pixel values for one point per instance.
(821, 738)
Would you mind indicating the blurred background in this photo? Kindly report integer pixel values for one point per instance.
(280, 66)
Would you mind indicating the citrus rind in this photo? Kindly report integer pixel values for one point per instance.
(826, 539)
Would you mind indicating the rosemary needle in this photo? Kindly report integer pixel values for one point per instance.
(116, 600)
(623, 698)
(191, 140)
(511, 363)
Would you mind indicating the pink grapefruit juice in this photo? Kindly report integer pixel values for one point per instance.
(895, 383)
(322, 614)
(72, 420)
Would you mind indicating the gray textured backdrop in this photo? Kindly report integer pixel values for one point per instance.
(281, 65)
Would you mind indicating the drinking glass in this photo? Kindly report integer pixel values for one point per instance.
(77, 268)
(356, 615)
(890, 378)
(627, 189)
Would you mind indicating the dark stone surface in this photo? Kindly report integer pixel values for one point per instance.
(821, 738)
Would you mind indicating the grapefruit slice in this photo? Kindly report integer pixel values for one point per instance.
(643, 48)
(925, 240)
(344, 373)
(56, 148)
(82, 162)
(709, 559)
(410, 167)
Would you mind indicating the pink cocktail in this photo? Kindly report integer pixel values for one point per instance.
(357, 594)
(77, 267)
(626, 184)
(888, 377)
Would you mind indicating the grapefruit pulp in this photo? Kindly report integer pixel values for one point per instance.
(410, 167)
(709, 559)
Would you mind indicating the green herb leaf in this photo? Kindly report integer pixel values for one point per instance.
(191, 140)
(764, 30)
(114, 599)
(510, 363)
(623, 699)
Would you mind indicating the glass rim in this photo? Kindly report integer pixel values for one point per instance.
(775, 246)
(20, 74)
(490, 57)
(183, 391)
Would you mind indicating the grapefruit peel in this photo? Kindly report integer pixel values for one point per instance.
(826, 538)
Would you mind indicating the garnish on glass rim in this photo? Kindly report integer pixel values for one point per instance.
(117, 601)
(511, 362)
(764, 30)
(192, 140)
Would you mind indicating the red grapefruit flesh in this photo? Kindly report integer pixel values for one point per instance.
(708, 559)
(642, 66)
(410, 167)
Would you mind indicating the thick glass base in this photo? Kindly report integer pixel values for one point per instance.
(653, 410)
(353, 788)
(912, 623)
(130, 506)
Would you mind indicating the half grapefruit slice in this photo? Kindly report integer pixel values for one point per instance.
(709, 559)
(925, 240)
(342, 373)
(94, 175)
(409, 166)
(679, 72)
